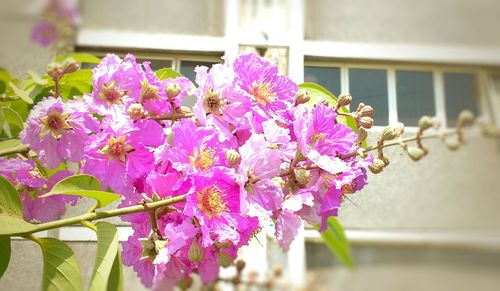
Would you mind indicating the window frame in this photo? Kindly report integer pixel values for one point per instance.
(437, 71)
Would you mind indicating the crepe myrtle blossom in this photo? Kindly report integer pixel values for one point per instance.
(58, 131)
(321, 139)
(45, 33)
(122, 152)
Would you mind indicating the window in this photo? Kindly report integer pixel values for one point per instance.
(461, 92)
(326, 77)
(415, 95)
(401, 93)
(370, 87)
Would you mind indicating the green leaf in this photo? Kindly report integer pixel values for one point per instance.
(37, 79)
(83, 185)
(21, 93)
(107, 252)
(115, 281)
(2, 120)
(335, 239)
(5, 78)
(4, 254)
(318, 93)
(13, 122)
(166, 73)
(61, 271)
(10, 203)
(11, 145)
(84, 58)
(10, 225)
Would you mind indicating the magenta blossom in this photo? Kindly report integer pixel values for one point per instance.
(45, 33)
(58, 131)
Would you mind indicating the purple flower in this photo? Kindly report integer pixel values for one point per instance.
(260, 81)
(45, 33)
(58, 131)
(321, 139)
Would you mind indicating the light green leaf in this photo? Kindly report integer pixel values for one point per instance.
(61, 271)
(37, 79)
(83, 185)
(10, 203)
(4, 254)
(14, 122)
(166, 73)
(11, 145)
(21, 93)
(115, 281)
(2, 120)
(5, 78)
(318, 93)
(84, 58)
(10, 225)
(335, 239)
(107, 251)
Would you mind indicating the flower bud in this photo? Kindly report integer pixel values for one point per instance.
(240, 265)
(196, 252)
(425, 123)
(385, 160)
(173, 90)
(399, 128)
(136, 111)
(302, 176)
(70, 65)
(232, 157)
(55, 71)
(452, 144)
(415, 153)
(302, 97)
(184, 110)
(344, 99)
(366, 122)
(362, 135)
(436, 123)
(224, 259)
(389, 133)
(366, 110)
(465, 117)
(377, 166)
(186, 283)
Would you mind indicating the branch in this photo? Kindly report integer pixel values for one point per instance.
(173, 116)
(81, 219)
(15, 150)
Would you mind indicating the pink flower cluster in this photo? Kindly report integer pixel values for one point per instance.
(248, 156)
(56, 14)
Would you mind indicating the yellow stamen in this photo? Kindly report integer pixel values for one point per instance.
(262, 93)
(55, 123)
(211, 201)
(203, 159)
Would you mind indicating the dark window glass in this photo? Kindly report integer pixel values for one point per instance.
(157, 64)
(461, 92)
(415, 94)
(326, 77)
(187, 68)
(369, 86)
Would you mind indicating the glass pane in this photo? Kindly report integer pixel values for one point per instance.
(461, 92)
(187, 68)
(157, 64)
(415, 93)
(369, 86)
(326, 77)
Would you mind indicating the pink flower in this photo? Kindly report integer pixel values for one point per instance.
(123, 149)
(58, 131)
(259, 80)
(215, 203)
(45, 33)
(321, 139)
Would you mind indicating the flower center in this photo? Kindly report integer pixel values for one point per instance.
(55, 123)
(203, 159)
(149, 91)
(262, 93)
(117, 148)
(317, 137)
(211, 201)
(213, 102)
(110, 93)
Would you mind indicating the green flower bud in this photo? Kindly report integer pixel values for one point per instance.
(344, 100)
(425, 123)
(377, 166)
(366, 110)
(415, 153)
(70, 65)
(173, 90)
(232, 157)
(224, 259)
(389, 133)
(366, 122)
(302, 176)
(302, 97)
(452, 144)
(196, 252)
(55, 71)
